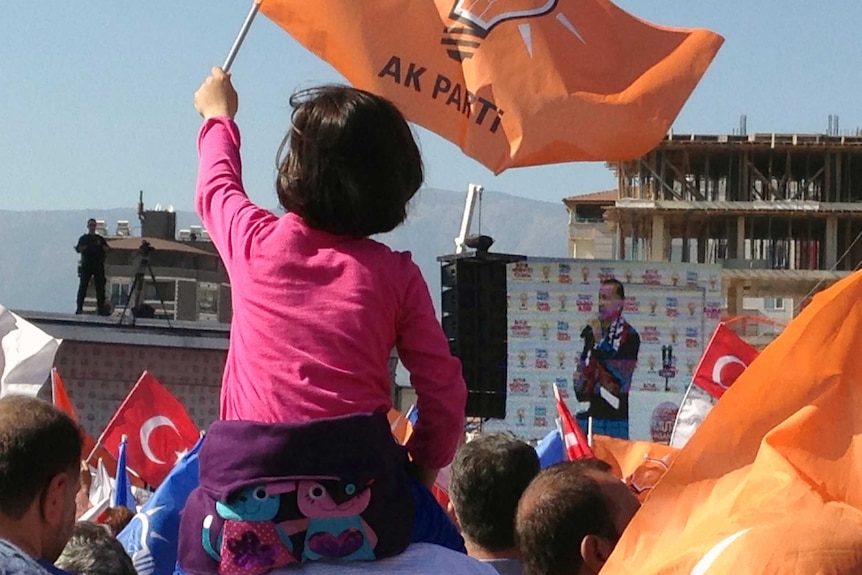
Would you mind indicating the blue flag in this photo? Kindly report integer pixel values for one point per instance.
(122, 486)
(550, 449)
(413, 415)
(152, 536)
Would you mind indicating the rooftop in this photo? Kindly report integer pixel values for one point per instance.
(150, 332)
(606, 197)
(771, 140)
(772, 206)
(133, 243)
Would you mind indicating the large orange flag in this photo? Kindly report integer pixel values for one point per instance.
(512, 82)
(770, 482)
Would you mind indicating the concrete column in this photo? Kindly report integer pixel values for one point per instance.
(621, 242)
(831, 246)
(658, 244)
(734, 300)
(701, 247)
(740, 238)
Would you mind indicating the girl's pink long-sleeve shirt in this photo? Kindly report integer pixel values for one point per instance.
(316, 315)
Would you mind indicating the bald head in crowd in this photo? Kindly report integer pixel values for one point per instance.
(570, 518)
(40, 462)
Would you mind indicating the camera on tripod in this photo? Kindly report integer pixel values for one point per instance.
(145, 249)
(135, 300)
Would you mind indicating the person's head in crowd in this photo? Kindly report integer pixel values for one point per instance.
(488, 476)
(349, 164)
(117, 518)
(40, 462)
(92, 550)
(571, 517)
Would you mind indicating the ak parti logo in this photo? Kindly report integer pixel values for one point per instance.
(476, 18)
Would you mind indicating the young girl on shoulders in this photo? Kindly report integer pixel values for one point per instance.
(318, 306)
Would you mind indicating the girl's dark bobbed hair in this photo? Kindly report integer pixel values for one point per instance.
(349, 164)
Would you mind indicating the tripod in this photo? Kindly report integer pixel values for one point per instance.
(137, 289)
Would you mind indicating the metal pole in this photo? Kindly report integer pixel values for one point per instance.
(241, 36)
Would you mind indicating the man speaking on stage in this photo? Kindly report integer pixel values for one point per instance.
(607, 363)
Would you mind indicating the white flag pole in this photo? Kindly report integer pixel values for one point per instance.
(590, 431)
(241, 36)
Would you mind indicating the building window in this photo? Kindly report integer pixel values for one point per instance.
(773, 303)
(119, 294)
(589, 213)
(162, 290)
(208, 296)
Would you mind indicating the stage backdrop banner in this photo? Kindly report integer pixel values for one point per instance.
(551, 300)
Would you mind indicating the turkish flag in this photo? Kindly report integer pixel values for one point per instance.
(725, 358)
(158, 428)
(574, 439)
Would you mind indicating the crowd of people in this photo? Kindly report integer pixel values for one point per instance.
(514, 518)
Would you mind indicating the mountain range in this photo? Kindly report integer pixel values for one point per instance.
(38, 264)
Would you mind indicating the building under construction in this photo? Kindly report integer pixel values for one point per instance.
(782, 213)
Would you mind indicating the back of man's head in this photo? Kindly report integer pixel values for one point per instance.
(37, 442)
(92, 550)
(488, 476)
(570, 518)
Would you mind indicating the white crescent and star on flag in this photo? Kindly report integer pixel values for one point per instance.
(147, 429)
(720, 364)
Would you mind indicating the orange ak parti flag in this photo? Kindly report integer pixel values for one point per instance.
(515, 82)
(770, 482)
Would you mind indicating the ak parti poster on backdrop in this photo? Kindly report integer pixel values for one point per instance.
(551, 301)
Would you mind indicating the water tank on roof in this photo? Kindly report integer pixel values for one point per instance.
(159, 224)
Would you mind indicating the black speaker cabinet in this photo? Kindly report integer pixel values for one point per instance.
(473, 305)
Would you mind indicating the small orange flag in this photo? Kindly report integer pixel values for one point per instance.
(401, 427)
(640, 464)
(770, 482)
(88, 444)
(61, 398)
(62, 401)
(512, 83)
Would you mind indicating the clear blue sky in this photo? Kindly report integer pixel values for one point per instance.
(96, 96)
